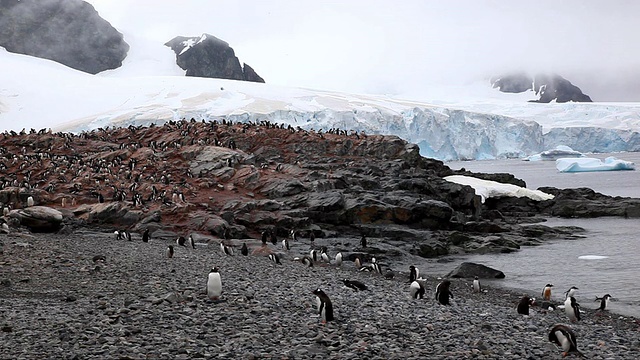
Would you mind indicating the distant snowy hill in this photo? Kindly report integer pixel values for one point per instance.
(40, 93)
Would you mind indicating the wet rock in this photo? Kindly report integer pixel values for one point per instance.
(470, 270)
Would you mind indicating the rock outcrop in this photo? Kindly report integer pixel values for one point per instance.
(547, 87)
(208, 56)
(470, 270)
(70, 32)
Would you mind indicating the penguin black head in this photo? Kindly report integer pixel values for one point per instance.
(214, 270)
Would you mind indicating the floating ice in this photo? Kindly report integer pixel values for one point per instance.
(592, 257)
(560, 151)
(592, 164)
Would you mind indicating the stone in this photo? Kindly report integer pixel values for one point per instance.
(470, 270)
(38, 218)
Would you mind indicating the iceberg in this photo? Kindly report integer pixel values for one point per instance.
(487, 188)
(592, 164)
(560, 151)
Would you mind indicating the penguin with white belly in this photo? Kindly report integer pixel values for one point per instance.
(214, 285)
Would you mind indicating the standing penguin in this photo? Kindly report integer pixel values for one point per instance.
(325, 307)
(339, 259)
(191, 242)
(570, 292)
(169, 251)
(145, 235)
(363, 241)
(313, 254)
(285, 244)
(324, 255)
(181, 241)
(572, 309)
(264, 237)
(414, 273)
(476, 285)
(358, 263)
(30, 201)
(275, 258)
(523, 305)
(546, 292)
(127, 235)
(306, 260)
(274, 239)
(214, 284)
(312, 237)
(604, 302)
(565, 338)
(226, 249)
(416, 290)
(443, 293)
(244, 250)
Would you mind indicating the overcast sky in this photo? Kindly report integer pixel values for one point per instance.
(396, 47)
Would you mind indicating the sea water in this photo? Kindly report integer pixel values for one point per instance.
(606, 260)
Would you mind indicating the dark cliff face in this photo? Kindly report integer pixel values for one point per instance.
(547, 87)
(67, 31)
(208, 56)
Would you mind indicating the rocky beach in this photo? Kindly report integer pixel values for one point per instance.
(71, 290)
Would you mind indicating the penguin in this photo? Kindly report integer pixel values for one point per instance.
(274, 239)
(546, 292)
(572, 309)
(275, 258)
(169, 251)
(312, 237)
(325, 308)
(285, 244)
(145, 235)
(214, 284)
(562, 336)
(339, 259)
(570, 292)
(414, 273)
(119, 234)
(358, 263)
(476, 285)
(523, 305)
(376, 267)
(416, 290)
(355, 285)
(313, 254)
(30, 201)
(363, 241)
(244, 250)
(226, 249)
(264, 237)
(5, 211)
(127, 235)
(324, 255)
(306, 260)
(181, 241)
(604, 302)
(294, 235)
(191, 242)
(443, 293)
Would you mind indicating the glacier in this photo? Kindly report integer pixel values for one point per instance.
(38, 93)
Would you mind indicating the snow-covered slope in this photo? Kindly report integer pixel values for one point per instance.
(40, 93)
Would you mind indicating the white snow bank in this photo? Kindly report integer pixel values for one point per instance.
(592, 164)
(487, 188)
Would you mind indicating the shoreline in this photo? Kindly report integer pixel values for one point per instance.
(138, 304)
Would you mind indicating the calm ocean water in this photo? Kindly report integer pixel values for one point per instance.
(566, 263)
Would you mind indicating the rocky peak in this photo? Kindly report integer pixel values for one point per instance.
(208, 56)
(547, 87)
(66, 31)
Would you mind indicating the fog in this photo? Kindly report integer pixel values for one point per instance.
(398, 47)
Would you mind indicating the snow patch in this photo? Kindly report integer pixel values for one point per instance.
(487, 188)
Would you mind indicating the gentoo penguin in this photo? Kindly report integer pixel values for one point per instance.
(355, 285)
(274, 239)
(339, 259)
(325, 308)
(476, 285)
(570, 292)
(306, 260)
(191, 242)
(30, 201)
(523, 305)
(214, 284)
(363, 241)
(127, 235)
(572, 309)
(264, 237)
(443, 293)
(169, 251)
(145, 235)
(285, 244)
(313, 254)
(416, 290)
(119, 234)
(275, 258)
(565, 338)
(226, 249)
(294, 235)
(358, 263)
(312, 237)
(324, 255)
(5, 211)
(244, 250)
(604, 301)
(414, 273)
(181, 241)
(546, 292)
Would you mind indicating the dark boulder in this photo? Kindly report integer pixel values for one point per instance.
(70, 32)
(208, 56)
(470, 270)
(38, 218)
